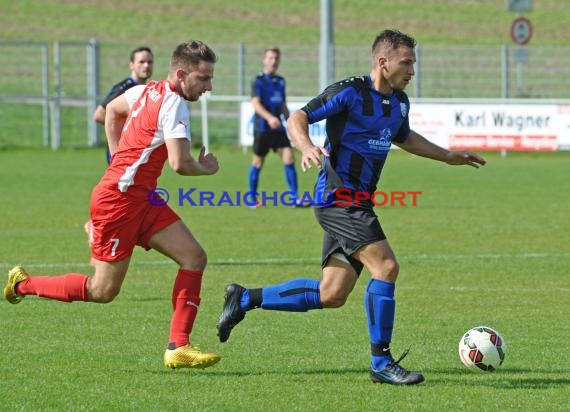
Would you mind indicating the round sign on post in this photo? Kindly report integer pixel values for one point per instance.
(521, 30)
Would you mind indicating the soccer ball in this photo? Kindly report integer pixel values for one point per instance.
(482, 349)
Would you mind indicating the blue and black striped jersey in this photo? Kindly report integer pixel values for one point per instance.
(361, 126)
(270, 88)
(118, 89)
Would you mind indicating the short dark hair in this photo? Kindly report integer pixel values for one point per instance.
(191, 53)
(392, 39)
(138, 50)
(273, 49)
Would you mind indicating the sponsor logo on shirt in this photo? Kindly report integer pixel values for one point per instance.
(383, 142)
(276, 97)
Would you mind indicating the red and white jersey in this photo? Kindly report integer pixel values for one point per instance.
(157, 113)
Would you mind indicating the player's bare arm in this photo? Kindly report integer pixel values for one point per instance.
(115, 117)
(419, 145)
(273, 121)
(298, 129)
(99, 115)
(182, 162)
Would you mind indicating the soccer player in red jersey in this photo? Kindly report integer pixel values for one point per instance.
(141, 65)
(145, 127)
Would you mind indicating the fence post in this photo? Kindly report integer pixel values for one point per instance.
(241, 69)
(326, 48)
(204, 112)
(418, 76)
(92, 90)
(55, 105)
(505, 71)
(45, 92)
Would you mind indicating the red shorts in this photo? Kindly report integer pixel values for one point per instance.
(122, 221)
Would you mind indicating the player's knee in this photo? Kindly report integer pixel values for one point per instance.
(197, 259)
(333, 298)
(105, 298)
(102, 294)
(201, 259)
(390, 269)
(288, 158)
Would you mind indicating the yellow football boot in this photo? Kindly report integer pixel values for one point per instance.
(15, 276)
(189, 357)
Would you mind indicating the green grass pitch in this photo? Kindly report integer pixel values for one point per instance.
(486, 246)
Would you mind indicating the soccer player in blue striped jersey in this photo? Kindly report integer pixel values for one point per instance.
(364, 115)
(269, 100)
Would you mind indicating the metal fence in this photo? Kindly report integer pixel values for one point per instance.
(48, 91)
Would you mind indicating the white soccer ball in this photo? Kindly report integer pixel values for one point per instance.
(482, 349)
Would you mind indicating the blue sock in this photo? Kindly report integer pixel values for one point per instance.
(297, 295)
(245, 302)
(253, 179)
(291, 178)
(380, 309)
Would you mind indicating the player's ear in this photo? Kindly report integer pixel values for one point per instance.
(180, 74)
(382, 62)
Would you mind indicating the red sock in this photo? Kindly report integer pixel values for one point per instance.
(66, 288)
(185, 303)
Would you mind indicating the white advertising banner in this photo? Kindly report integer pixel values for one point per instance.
(472, 126)
(512, 127)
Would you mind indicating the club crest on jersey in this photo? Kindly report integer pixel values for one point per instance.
(404, 109)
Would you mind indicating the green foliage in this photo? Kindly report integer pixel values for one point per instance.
(484, 246)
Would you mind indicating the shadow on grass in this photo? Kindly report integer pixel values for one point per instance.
(146, 299)
(266, 262)
(505, 378)
(506, 382)
(217, 372)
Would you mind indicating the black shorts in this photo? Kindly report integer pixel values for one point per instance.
(347, 229)
(273, 139)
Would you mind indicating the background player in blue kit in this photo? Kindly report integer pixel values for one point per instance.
(269, 101)
(141, 65)
(365, 115)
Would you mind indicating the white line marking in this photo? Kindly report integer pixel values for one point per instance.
(300, 261)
